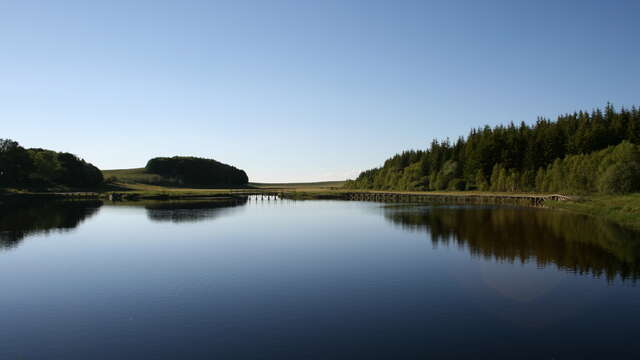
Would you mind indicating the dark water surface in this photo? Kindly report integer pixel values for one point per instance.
(313, 280)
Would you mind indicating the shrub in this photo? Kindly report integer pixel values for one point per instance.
(620, 178)
(457, 184)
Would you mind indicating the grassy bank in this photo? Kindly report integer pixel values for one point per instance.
(321, 185)
(621, 209)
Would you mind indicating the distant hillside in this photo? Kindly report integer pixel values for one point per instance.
(181, 171)
(142, 176)
(302, 185)
(133, 176)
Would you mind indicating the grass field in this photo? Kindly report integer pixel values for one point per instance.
(326, 185)
(131, 176)
(622, 209)
(139, 179)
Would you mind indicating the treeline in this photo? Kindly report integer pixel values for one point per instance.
(197, 171)
(40, 168)
(548, 156)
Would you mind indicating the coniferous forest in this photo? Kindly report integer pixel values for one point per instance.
(579, 153)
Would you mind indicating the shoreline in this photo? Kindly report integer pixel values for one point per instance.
(621, 209)
(289, 193)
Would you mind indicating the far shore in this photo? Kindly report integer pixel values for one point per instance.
(621, 209)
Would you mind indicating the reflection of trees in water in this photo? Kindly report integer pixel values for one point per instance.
(193, 210)
(572, 242)
(19, 219)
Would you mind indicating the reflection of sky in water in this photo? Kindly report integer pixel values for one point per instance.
(527, 295)
(293, 279)
(522, 282)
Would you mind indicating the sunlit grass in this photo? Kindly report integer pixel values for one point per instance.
(622, 209)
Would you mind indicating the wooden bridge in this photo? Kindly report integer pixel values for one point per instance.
(381, 196)
(517, 199)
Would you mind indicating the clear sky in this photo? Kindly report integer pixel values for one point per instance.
(300, 90)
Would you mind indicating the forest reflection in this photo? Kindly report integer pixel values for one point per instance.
(574, 243)
(193, 210)
(19, 219)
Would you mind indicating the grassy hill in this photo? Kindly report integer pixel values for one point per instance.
(140, 179)
(301, 185)
(131, 176)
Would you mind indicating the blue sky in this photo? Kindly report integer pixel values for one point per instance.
(300, 90)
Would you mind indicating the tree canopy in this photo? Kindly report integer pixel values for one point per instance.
(20, 167)
(197, 171)
(523, 157)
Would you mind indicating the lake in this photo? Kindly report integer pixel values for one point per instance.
(258, 279)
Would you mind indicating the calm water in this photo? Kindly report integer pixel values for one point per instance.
(313, 280)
